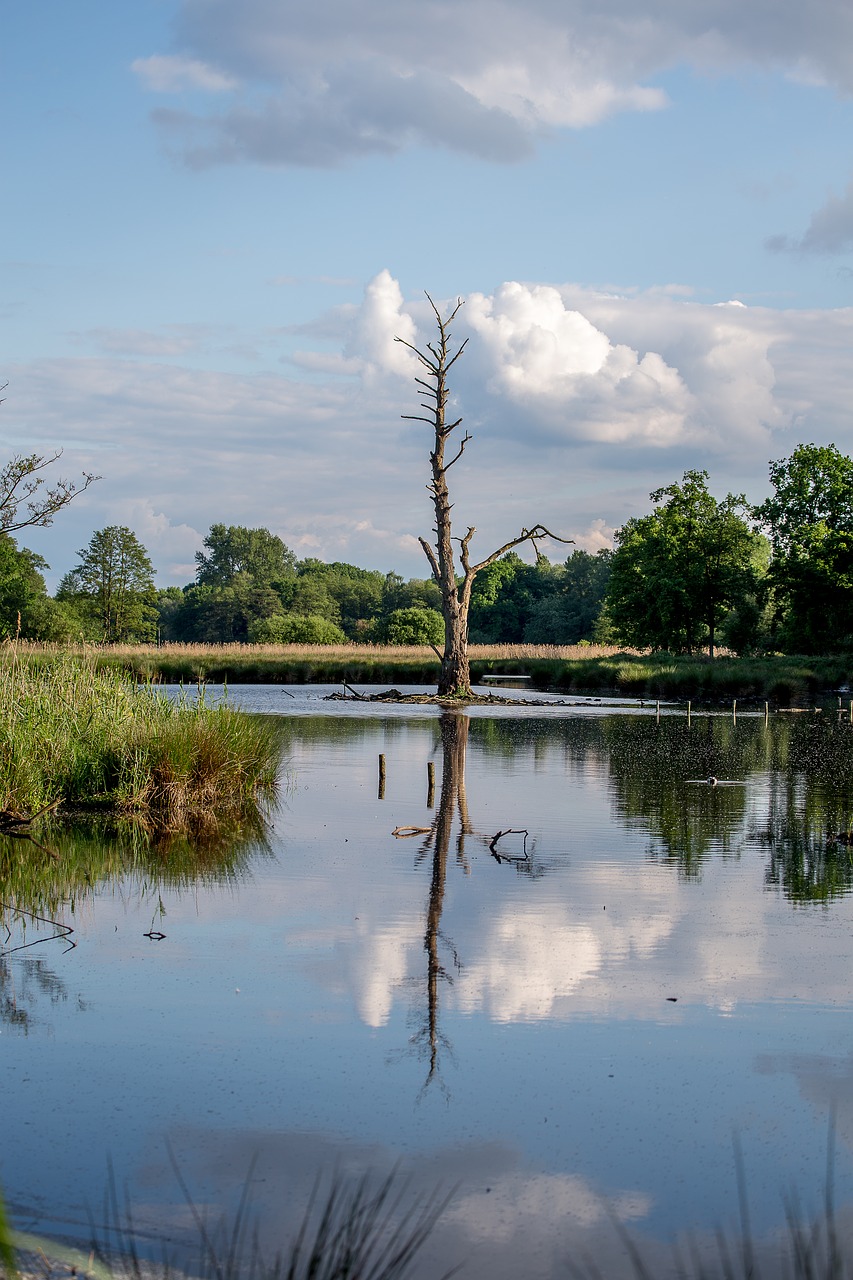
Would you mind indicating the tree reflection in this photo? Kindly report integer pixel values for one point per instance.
(453, 799)
(452, 805)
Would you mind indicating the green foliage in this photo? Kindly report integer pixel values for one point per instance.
(233, 550)
(112, 588)
(809, 520)
(676, 573)
(294, 628)
(506, 596)
(223, 615)
(414, 625)
(569, 615)
(85, 736)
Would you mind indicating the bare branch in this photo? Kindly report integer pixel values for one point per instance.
(20, 481)
(534, 535)
(462, 445)
(430, 555)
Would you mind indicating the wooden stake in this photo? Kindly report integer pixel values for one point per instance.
(430, 784)
(688, 713)
(734, 710)
(381, 777)
(766, 714)
(657, 706)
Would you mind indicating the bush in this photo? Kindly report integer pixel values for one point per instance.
(414, 625)
(295, 628)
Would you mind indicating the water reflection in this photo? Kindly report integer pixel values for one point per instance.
(44, 888)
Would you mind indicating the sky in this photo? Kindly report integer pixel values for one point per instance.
(218, 215)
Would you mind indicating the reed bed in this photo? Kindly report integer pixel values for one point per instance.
(586, 669)
(74, 732)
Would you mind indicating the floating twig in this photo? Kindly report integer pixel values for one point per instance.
(402, 833)
(524, 856)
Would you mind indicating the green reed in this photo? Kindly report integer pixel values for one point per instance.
(70, 732)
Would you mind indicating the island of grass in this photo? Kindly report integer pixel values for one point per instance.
(80, 736)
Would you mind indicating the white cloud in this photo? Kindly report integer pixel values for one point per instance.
(325, 81)
(597, 537)
(579, 403)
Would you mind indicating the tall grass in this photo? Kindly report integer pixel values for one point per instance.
(585, 669)
(70, 732)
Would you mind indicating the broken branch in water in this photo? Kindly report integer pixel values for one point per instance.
(403, 833)
(13, 824)
(524, 856)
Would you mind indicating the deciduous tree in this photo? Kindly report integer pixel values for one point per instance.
(809, 520)
(114, 585)
(677, 572)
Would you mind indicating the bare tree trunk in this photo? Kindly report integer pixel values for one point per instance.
(438, 359)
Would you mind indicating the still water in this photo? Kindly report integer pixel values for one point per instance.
(563, 1026)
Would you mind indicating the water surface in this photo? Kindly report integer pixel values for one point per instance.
(582, 1021)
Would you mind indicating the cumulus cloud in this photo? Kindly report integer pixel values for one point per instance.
(316, 83)
(579, 403)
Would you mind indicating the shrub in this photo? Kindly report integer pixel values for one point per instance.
(295, 628)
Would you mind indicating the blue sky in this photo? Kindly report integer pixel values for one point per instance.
(218, 215)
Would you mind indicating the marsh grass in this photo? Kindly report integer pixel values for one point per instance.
(84, 735)
(582, 669)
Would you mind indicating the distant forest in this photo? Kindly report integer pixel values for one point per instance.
(695, 573)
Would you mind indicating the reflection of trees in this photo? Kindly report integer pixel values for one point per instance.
(452, 804)
(452, 799)
(36, 890)
(809, 803)
(649, 765)
(24, 986)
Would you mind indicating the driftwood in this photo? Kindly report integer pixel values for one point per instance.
(15, 825)
(438, 700)
(524, 856)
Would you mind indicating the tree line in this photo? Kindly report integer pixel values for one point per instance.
(695, 573)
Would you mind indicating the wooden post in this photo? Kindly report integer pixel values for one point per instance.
(657, 711)
(688, 715)
(766, 714)
(430, 784)
(851, 712)
(734, 710)
(381, 777)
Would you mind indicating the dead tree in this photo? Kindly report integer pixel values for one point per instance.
(438, 359)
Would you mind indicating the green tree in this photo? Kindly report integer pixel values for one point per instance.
(292, 628)
(676, 573)
(570, 612)
(414, 625)
(224, 614)
(25, 607)
(809, 520)
(113, 587)
(234, 549)
(506, 597)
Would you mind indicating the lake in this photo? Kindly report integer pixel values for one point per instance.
(566, 1026)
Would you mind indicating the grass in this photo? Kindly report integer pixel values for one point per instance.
(582, 669)
(375, 1230)
(82, 735)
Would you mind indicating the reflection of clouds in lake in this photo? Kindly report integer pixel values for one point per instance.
(520, 1201)
(532, 959)
(383, 961)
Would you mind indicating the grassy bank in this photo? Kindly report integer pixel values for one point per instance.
(567, 669)
(76, 731)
